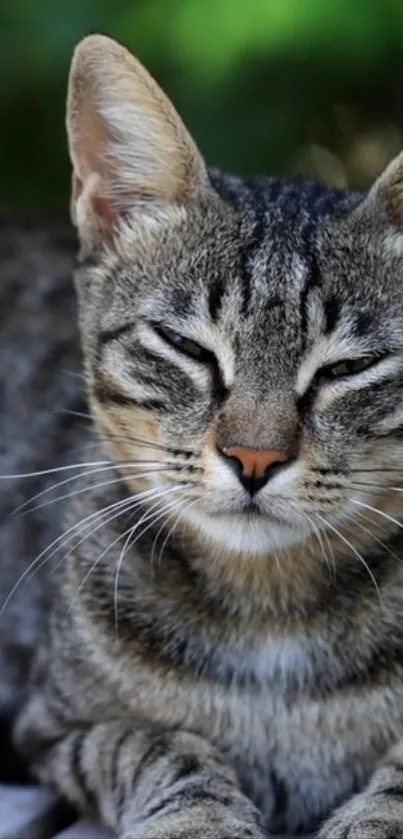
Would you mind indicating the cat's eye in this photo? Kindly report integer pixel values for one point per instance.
(183, 344)
(347, 367)
(201, 354)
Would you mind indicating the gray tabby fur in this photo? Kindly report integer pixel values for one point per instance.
(202, 667)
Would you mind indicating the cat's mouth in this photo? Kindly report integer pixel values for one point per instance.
(249, 511)
(250, 508)
(246, 527)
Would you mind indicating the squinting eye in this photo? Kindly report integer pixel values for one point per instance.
(181, 343)
(348, 367)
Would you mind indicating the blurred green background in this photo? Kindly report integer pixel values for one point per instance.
(279, 86)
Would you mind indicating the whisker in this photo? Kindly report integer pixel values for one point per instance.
(77, 477)
(121, 506)
(379, 512)
(370, 486)
(377, 469)
(49, 551)
(120, 536)
(155, 519)
(106, 518)
(317, 533)
(166, 511)
(71, 413)
(375, 538)
(147, 444)
(73, 373)
(155, 540)
(144, 518)
(97, 560)
(354, 550)
(95, 463)
(184, 509)
(117, 571)
(127, 437)
(91, 488)
(18, 476)
(128, 505)
(176, 503)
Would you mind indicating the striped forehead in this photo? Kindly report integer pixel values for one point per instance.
(272, 271)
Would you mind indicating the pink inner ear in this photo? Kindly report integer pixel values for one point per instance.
(76, 187)
(101, 207)
(91, 156)
(105, 211)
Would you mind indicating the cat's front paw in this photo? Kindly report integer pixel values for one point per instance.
(366, 817)
(183, 826)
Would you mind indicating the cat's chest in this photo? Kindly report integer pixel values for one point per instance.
(297, 753)
(297, 746)
(298, 759)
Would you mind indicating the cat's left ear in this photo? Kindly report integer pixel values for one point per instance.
(130, 151)
(387, 192)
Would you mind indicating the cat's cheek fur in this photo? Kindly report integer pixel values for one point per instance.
(132, 437)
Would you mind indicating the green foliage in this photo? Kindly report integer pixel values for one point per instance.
(265, 85)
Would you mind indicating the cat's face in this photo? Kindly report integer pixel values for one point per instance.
(250, 372)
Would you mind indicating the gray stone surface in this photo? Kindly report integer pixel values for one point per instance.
(83, 830)
(26, 812)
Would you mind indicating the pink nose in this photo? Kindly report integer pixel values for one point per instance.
(255, 463)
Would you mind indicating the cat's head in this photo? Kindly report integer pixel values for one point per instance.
(244, 361)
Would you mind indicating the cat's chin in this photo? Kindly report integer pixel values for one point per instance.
(247, 534)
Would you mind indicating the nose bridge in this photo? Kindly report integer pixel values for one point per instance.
(255, 462)
(258, 425)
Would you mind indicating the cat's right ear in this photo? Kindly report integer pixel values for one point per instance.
(386, 194)
(130, 151)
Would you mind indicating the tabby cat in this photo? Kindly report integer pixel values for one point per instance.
(203, 575)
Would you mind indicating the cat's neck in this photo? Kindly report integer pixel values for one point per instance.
(297, 585)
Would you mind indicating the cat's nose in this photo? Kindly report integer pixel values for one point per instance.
(254, 468)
